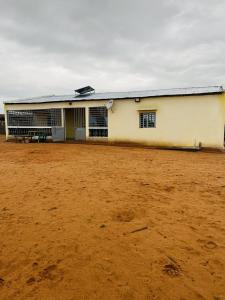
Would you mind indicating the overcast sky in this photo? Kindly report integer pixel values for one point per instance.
(54, 46)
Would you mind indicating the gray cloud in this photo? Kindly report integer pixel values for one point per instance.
(54, 46)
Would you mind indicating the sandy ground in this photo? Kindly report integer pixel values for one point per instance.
(68, 216)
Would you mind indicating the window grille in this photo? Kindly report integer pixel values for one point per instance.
(98, 132)
(34, 118)
(147, 119)
(98, 121)
(29, 131)
(79, 117)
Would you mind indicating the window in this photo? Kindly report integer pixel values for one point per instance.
(98, 132)
(25, 121)
(27, 131)
(34, 118)
(98, 121)
(147, 119)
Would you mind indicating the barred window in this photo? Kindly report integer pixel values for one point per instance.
(98, 117)
(34, 118)
(98, 132)
(147, 119)
(29, 131)
(98, 121)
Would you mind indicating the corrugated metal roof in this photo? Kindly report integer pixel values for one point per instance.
(122, 95)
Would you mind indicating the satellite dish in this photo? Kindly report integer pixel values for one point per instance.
(109, 104)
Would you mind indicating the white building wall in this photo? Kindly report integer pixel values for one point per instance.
(180, 121)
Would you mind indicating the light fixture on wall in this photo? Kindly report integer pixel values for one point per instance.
(137, 100)
(109, 105)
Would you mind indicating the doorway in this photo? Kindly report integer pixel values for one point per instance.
(75, 124)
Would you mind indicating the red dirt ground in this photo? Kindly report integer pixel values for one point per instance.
(69, 212)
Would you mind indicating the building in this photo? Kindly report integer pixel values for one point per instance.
(186, 117)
